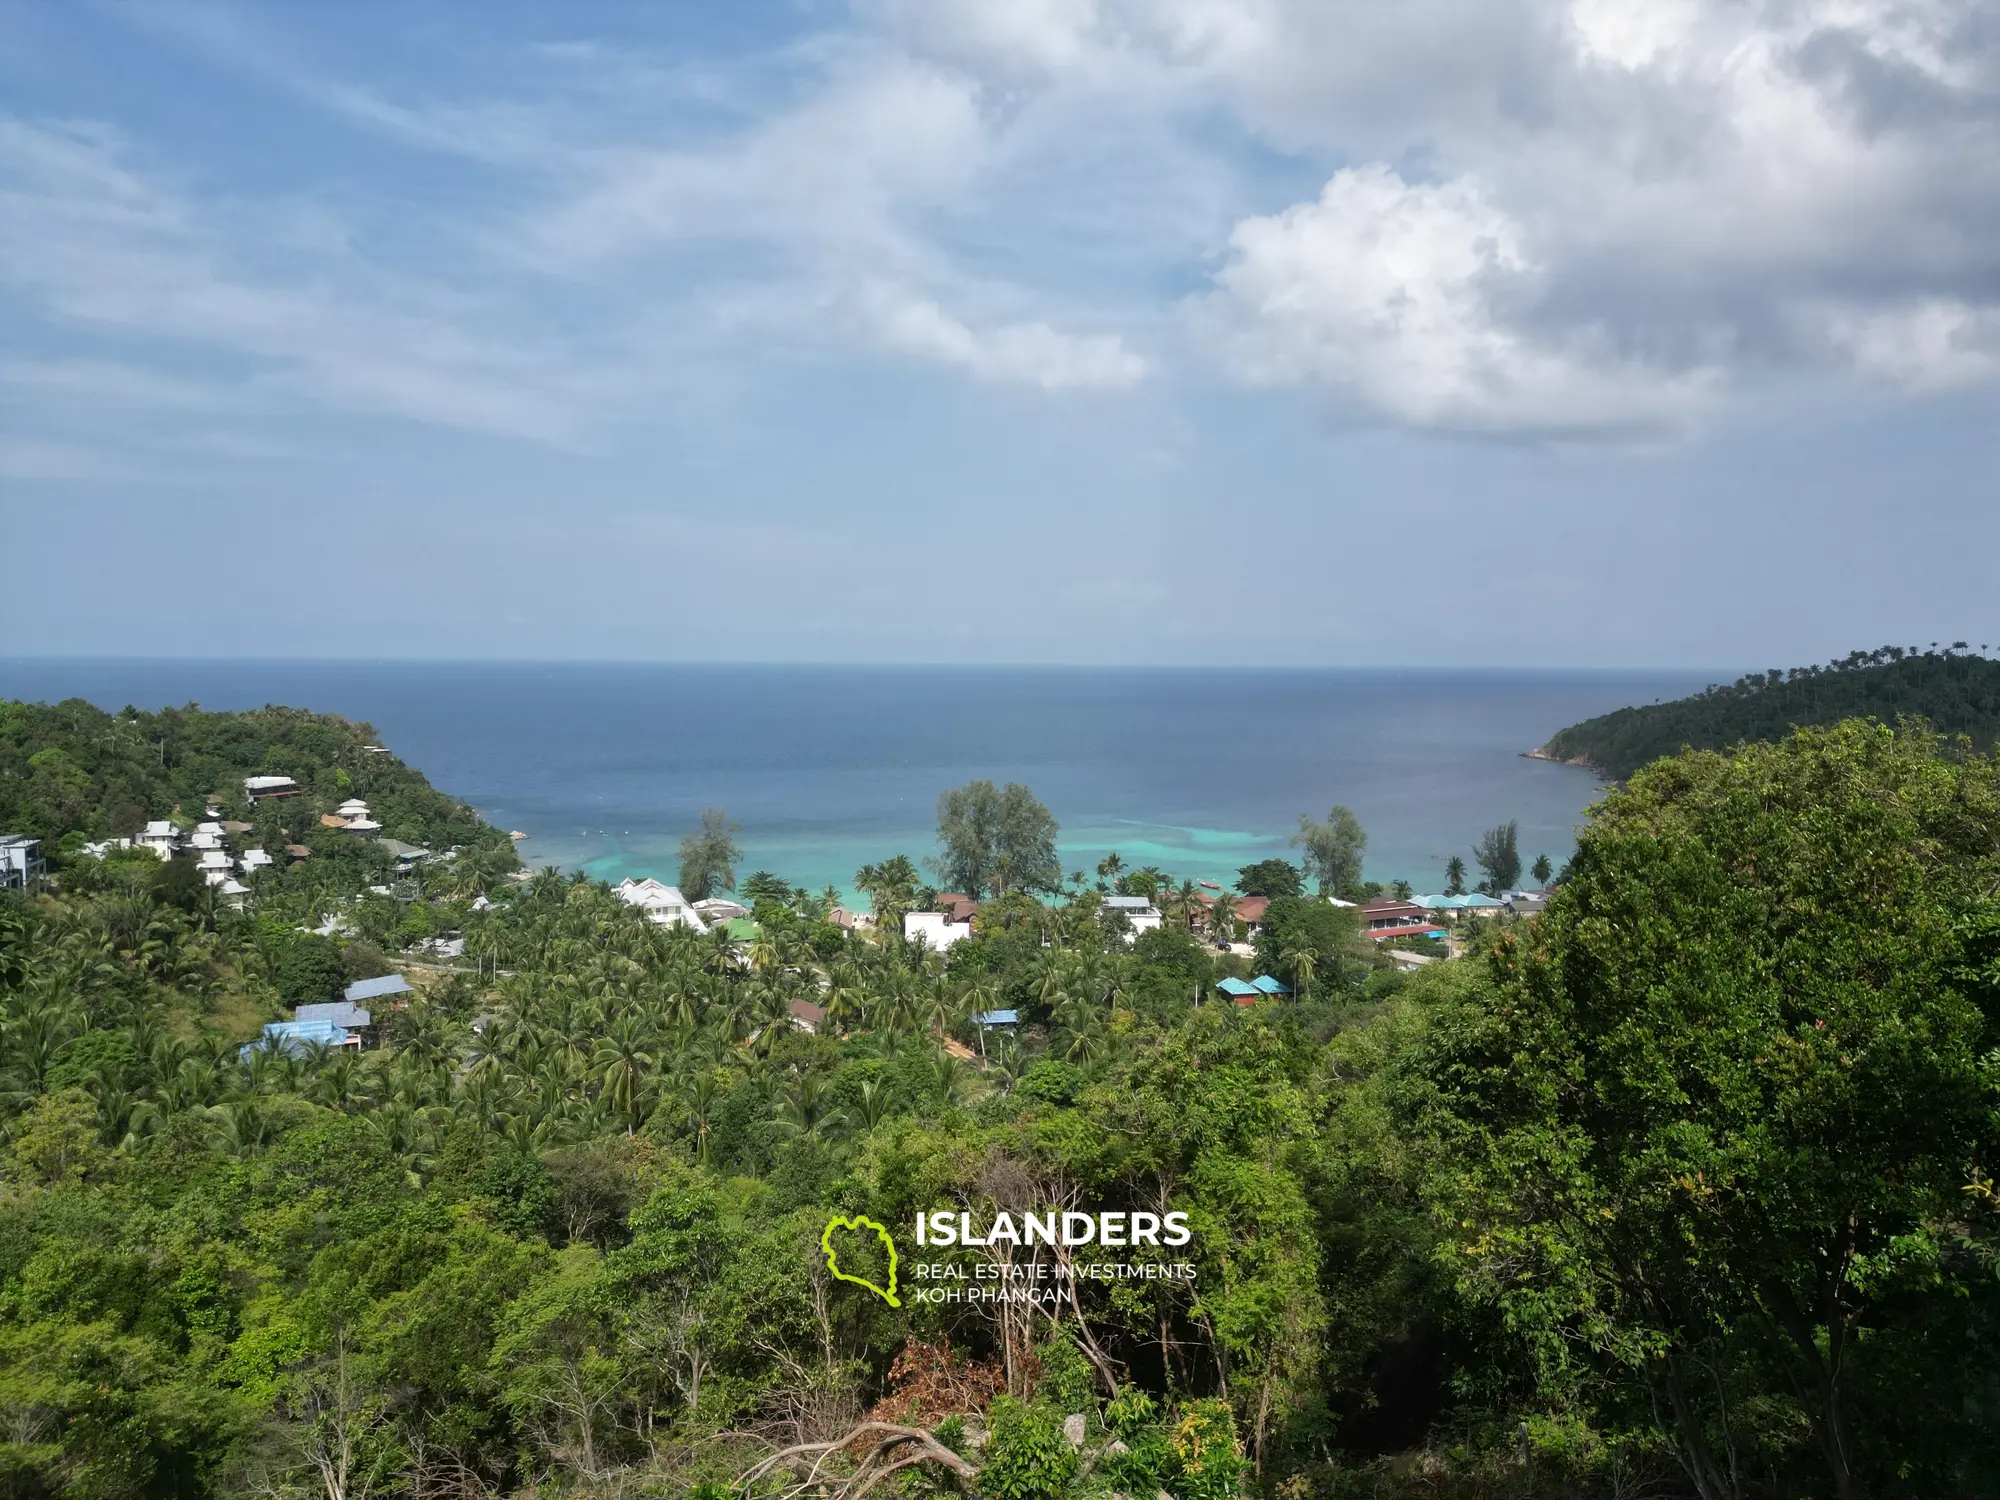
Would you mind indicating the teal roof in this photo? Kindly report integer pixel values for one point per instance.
(1237, 987)
(1264, 984)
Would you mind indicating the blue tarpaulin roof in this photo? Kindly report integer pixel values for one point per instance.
(997, 1018)
(296, 1036)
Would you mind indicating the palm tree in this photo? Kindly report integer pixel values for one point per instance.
(1302, 965)
(876, 1103)
(1454, 876)
(621, 1061)
(1108, 870)
(700, 1094)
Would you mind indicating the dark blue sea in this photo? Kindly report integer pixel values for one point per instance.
(1198, 771)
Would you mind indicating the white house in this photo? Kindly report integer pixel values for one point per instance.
(20, 861)
(257, 788)
(200, 840)
(161, 836)
(661, 903)
(1138, 910)
(255, 859)
(937, 928)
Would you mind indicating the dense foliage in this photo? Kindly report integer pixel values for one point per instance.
(1954, 691)
(1683, 1188)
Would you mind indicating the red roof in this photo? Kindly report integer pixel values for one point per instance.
(1252, 908)
(1378, 933)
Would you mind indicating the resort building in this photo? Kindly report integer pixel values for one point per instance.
(161, 837)
(663, 904)
(257, 788)
(1480, 905)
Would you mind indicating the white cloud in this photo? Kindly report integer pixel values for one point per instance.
(1399, 295)
(1935, 344)
(1531, 216)
(1030, 353)
(100, 243)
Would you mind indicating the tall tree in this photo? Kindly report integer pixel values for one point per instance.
(1541, 870)
(1746, 1057)
(1454, 876)
(1333, 852)
(709, 855)
(1270, 877)
(1499, 855)
(996, 840)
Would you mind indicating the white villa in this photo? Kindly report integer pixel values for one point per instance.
(663, 904)
(1139, 911)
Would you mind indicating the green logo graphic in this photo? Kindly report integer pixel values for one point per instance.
(861, 1221)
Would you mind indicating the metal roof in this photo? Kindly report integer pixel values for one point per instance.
(997, 1018)
(1237, 987)
(374, 989)
(335, 1013)
(1264, 984)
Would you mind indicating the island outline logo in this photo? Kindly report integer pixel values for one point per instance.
(860, 1221)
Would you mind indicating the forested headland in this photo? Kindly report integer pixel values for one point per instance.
(1952, 689)
(1683, 1187)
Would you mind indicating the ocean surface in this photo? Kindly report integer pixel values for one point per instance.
(1198, 771)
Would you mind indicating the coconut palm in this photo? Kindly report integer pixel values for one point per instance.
(621, 1063)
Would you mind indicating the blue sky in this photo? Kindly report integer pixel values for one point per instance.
(1277, 331)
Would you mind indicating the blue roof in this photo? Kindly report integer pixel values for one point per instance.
(295, 1036)
(997, 1018)
(1237, 987)
(1264, 984)
(372, 989)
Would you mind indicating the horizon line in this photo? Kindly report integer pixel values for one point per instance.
(939, 663)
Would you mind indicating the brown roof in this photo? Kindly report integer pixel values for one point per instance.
(1252, 908)
(298, 851)
(230, 825)
(328, 820)
(1389, 906)
(956, 907)
(805, 1010)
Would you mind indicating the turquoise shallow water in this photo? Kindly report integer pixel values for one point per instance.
(827, 768)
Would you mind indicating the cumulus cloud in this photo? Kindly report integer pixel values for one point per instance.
(1496, 216)
(1542, 216)
(1413, 298)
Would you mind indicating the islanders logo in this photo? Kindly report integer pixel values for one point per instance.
(860, 1222)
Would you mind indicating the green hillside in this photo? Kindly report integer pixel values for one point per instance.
(71, 769)
(1956, 691)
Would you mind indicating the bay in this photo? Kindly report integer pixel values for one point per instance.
(1198, 771)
